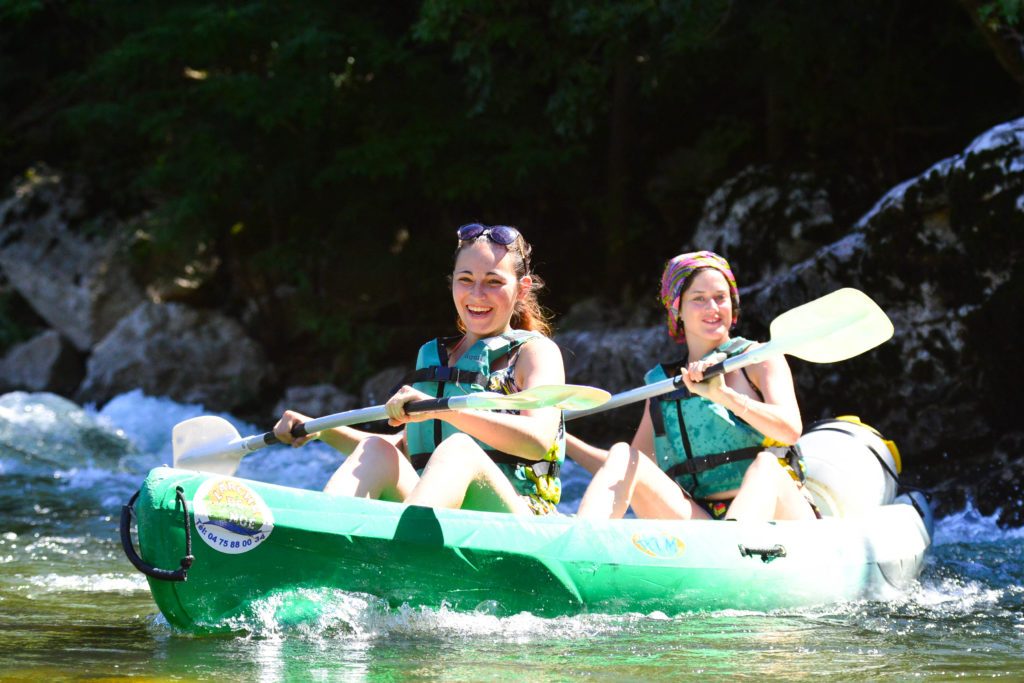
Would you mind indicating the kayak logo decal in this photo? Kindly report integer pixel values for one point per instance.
(662, 546)
(230, 516)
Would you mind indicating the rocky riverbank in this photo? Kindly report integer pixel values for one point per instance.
(941, 253)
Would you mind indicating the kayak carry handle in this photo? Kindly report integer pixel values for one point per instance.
(179, 574)
(767, 554)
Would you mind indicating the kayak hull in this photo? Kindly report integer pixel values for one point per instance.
(251, 540)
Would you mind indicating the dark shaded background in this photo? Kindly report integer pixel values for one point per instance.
(311, 160)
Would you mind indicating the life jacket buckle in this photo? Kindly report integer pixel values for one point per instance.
(549, 467)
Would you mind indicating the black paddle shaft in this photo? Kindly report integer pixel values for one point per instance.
(424, 406)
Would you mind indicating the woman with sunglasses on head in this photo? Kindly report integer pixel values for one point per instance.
(485, 460)
(717, 449)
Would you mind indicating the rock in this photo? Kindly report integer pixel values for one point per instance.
(69, 269)
(315, 401)
(942, 254)
(777, 218)
(614, 360)
(45, 363)
(595, 313)
(172, 350)
(378, 388)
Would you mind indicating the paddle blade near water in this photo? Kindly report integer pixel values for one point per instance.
(207, 444)
(832, 328)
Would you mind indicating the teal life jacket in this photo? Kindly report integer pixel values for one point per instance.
(472, 373)
(701, 444)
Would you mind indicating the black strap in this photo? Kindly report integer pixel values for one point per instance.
(832, 426)
(793, 457)
(670, 370)
(760, 396)
(443, 373)
(657, 419)
(442, 355)
(695, 466)
(687, 448)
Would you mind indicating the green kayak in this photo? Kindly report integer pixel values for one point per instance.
(213, 545)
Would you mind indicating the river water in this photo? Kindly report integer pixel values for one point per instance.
(72, 607)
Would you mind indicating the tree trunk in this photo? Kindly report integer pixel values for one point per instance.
(617, 173)
(1006, 43)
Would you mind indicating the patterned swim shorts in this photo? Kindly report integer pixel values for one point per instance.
(539, 506)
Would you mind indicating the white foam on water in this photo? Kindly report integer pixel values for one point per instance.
(57, 545)
(971, 526)
(148, 422)
(329, 614)
(93, 583)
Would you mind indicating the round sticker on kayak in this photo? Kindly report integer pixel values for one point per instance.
(230, 516)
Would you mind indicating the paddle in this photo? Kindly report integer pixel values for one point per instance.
(212, 444)
(832, 328)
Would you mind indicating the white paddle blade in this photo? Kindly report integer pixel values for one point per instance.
(835, 327)
(207, 444)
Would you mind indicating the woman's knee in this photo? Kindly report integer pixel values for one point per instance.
(456, 449)
(376, 454)
(620, 457)
(376, 448)
(374, 468)
(764, 465)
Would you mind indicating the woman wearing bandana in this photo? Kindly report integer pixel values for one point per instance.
(712, 450)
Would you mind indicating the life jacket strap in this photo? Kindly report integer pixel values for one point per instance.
(710, 462)
(438, 373)
(794, 458)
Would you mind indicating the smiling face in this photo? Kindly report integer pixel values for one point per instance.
(485, 288)
(706, 309)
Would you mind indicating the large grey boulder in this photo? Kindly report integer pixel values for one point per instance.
(942, 254)
(378, 387)
(614, 360)
(314, 400)
(47, 363)
(69, 269)
(172, 350)
(776, 218)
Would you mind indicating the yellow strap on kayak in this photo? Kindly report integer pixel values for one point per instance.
(891, 445)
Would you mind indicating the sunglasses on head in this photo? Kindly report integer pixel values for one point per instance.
(499, 234)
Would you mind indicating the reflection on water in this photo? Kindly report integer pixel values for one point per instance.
(71, 605)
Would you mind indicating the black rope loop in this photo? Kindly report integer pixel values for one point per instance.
(179, 574)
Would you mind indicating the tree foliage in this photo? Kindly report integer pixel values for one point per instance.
(318, 155)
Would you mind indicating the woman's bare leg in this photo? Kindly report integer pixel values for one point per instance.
(768, 492)
(611, 490)
(629, 477)
(590, 458)
(375, 469)
(460, 475)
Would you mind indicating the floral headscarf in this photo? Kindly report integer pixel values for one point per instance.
(674, 279)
